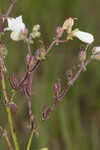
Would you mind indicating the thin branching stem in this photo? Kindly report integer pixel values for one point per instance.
(10, 8)
(59, 98)
(8, 109)
(30, 140)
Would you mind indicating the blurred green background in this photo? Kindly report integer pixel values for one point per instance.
(75, 123)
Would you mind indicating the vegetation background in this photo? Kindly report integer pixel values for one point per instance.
(75, 123)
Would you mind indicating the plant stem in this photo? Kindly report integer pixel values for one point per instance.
(38, 61)
(8, 141)
(71, 82)
(10, 8)
(4, 133)
(13, 95)
(30, 140)
(6, 100)
(11, 128)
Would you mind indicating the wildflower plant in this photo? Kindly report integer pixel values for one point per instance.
(18, 31)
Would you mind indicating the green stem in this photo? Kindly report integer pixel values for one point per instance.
(30, 140)
(9, 144)
(6, 100)
(13, 95)
(11, 128)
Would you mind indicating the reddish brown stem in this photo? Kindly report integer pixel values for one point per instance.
(65, 90)
(38, 61)
(71, 82)
(10, 8)
(28, 47)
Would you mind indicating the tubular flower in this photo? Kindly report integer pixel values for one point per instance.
(17, 27)
(84, 36)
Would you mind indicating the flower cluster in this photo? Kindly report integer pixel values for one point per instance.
(19, 31)
(67, 26)
(16, 25)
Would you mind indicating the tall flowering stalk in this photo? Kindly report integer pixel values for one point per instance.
(20, 32)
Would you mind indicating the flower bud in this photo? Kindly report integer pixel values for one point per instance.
(15, 36)
(23, 34)
(13, 107)
(3, 50)
(82, 56)
(2, 64)
(44, 110)
(27, 59)
(69, 74)
(31, 61)
(4, 132)
(96, 50)
(68, 24)
(35, 34)
(57, 88)
(36, 28)
(15, 80)
(59, 32)
(40, 54)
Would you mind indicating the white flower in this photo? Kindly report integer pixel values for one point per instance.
(15, 24)
(17, 27)
(84, 36)
(96, 50)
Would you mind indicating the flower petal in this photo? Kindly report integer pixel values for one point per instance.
(15, 24)
(84, 36)
(96, 50)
